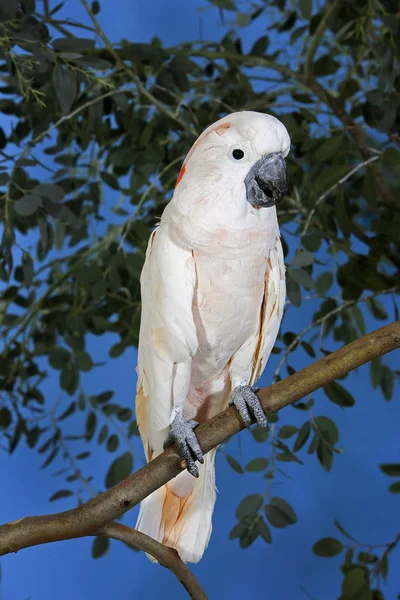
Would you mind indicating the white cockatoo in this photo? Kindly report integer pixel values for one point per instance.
(213, 292)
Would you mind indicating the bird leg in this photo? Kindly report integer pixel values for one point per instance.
(185, 440)
(244, 398)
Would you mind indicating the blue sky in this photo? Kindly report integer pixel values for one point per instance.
(355, 492)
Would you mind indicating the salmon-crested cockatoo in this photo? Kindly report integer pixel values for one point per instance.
(213, 292)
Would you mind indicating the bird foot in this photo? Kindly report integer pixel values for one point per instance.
(245, 399)
(185, 440)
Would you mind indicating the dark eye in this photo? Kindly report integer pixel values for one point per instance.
(237, 154)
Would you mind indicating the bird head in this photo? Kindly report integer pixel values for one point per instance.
(242, 154)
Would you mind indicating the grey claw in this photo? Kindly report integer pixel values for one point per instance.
(183, 436)
(245, 399)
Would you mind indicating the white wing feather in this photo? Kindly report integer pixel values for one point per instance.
(272, 309)
(168, 337)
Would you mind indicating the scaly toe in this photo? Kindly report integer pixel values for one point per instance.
(245, 399)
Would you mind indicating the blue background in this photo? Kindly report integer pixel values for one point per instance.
(355, 492)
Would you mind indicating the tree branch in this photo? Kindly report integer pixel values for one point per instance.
(94, 517)
(168, 557)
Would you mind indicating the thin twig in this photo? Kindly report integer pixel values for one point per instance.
(168, 557)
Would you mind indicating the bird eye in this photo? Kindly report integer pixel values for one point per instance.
(237, 153)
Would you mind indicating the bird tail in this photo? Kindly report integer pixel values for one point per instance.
(182, 522)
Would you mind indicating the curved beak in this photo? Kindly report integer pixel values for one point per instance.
(266, 182)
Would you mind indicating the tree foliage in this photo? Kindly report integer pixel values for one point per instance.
(94, 135)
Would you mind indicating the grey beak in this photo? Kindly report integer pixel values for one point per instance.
(266, 182)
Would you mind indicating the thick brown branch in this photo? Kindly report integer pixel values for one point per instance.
(91, 518)
(168, 557)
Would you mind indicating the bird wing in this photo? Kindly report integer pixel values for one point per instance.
(271, 309)
(168, 336)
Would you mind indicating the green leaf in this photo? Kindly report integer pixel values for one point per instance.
(68, 412)
(311, 243)
(342, 213)
(325, 65)
(302, 436)
(377, 309)
(234, 464)
(343, 530)
(302, 277)
(257, 464)
(119, 469)
(83, 360)
(100, 546)
(376, 371)
(264, 531)
(293, 290)
(112, 443)
(391, 469)
(53, 192)
(59, 357)
(238, 530)
(249, 506)
(391, 157)
(95, 8)
(302, 259)
(110, 180)
(306, 8)
(259, 434)
(73, 44)
(27, 269)
(90, 428)
(309, 349)
(366, 557)
(355, 579)
(324, 455)
(60, 494)
(394, 488)
(288, 456)
(327, 547)
(64, 81)
(260, 46)
(387, 382)
(103, 434)
(5, 418)
(358, 318)
(285, 507)
(338, 394)
(327, 429)
(287, 431)
(323, 283)
(28, 205)
(277, 517)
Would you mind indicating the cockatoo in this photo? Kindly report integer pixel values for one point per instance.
(213, 292)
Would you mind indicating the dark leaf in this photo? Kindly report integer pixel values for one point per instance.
(100, 546)
(327, 547)
(257, 464)
(264, 531)
(391, 469)
(64, 81)
(27, 205)
(73, 44)
(338, 394)
(234, 464)
(61, 494)
(249, 506)
(302, 436)
(287, 431)
(120, 469)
